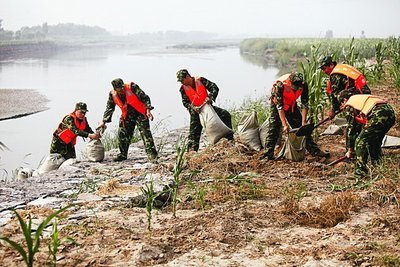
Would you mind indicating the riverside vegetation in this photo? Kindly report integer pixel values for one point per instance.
(231, 209)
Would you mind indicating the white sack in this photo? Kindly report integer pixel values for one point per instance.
(51, 162)
(95, 150)
(214, 127)
(248, 131)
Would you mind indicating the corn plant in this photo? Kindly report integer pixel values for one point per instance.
(181, 147)
(150, 195)
(32, 244)
(55, 242)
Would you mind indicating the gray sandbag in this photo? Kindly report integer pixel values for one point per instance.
(391, 142)
(214, 127)
(51, 162)
(95, 150)
(333, 129)
(294, 148)
(248, 131)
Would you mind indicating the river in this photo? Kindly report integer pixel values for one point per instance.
(85, 76)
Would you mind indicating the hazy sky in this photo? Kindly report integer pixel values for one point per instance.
(307, 18)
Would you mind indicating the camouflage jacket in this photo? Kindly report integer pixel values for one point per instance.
(277, 91)
(68, 122)
(338, 84)
(110, 107)
(211, 87)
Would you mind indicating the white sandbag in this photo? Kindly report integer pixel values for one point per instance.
(294, 148)
(248, 131)
(95, 150)
(24, 173)
(214, 127)
(51, 162)
(333, 129)
(391, 142)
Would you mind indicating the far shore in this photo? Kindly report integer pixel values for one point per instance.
(18, 103)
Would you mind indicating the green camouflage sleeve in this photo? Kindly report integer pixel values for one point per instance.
(278, 93)
(338, 84)
(142, 96)
(304, 96)
(352, 128)
(211, 87)
(68, 121)
(110, 107)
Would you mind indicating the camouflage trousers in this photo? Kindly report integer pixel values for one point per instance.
(65, 150)
(196, 127)
(275, 128)
(369, 141)
(126, 130)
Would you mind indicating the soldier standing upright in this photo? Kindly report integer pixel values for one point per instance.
(136, 110)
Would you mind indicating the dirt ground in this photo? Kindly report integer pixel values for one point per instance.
(238, 210)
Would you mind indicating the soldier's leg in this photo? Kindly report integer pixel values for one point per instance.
(125, 132)
(59, 147)
(274, 128)
(361, 149)
(195, 129)
(225, 116)
(147, 137)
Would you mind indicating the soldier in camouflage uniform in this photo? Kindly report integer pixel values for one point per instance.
(339, 82)
(72, 125)
(195, 128)
(375, 117)
(284, 111)
(136, 110)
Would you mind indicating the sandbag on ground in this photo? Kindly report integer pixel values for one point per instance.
(214, 127)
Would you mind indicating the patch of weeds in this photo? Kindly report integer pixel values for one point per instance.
(390, 260)
(86, 186)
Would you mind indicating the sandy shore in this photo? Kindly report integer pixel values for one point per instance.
(21, 102)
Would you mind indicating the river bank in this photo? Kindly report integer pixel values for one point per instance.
(18, 103)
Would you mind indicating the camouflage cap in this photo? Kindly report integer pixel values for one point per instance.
(181, 74)
(325, 61)
(296, 79)
(81, 106)
(117, 83)
(345, 94)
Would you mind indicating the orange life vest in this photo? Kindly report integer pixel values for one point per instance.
(364, 104)
(196, 96)
(289, 95)
(131, 99)
(68, 136)
(350, 72)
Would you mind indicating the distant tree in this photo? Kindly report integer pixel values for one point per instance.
(1, 27)
(45, 29)
(329, 34)
(362, 34)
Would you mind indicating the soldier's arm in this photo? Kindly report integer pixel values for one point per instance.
(278, 92)
(211, 87)
(70, 124)
(110, 107)
(338, 84)
(88, 129)
(142, 96)
(185, 100)
(304, 97)
(351, 133)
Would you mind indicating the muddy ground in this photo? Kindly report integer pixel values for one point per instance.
(237, 210)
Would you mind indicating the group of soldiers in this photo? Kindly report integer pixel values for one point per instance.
(369, 117)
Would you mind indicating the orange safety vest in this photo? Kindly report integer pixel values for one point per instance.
(364, 104)
(131, 99)
(68, 136)
(350, 72)
(198, 96)
(289, 95)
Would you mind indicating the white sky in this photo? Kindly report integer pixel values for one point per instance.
(274, 18)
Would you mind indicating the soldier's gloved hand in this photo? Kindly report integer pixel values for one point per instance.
(149, 115)
(331, 114)
(102, 125)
